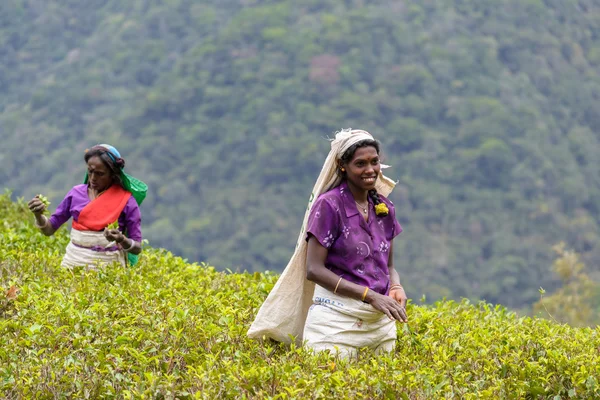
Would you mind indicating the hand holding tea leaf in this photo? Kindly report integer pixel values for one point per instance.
(38, 204)
(112, 233)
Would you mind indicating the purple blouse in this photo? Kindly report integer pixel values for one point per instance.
(77, 198)
(357, 250)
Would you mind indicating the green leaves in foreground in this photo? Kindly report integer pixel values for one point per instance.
(172, 329)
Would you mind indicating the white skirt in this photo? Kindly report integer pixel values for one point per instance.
(82, 255)
(344, 325)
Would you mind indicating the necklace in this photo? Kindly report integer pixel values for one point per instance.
(364, 208)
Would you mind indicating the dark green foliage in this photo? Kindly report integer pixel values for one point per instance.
(487, 111)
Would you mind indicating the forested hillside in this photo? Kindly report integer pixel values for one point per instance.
(487, 111)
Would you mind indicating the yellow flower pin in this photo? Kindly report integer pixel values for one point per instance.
(381, 209)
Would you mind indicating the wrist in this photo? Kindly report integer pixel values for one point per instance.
(369, 296)
(127, 246)
(41, 221)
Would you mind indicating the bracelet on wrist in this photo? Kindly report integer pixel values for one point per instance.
(336, 286)
(364, 296)
(130, 245)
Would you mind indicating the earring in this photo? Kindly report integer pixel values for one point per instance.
(343, 169)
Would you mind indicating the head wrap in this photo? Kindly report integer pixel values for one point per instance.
(113, 153)
(283, 314)
(329, 178)
(137, 188)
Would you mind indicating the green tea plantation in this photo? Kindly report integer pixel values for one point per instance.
(169, 329)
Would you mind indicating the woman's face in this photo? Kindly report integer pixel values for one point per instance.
(363, 169)
(99, 176)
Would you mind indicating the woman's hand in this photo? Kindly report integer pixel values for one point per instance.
(127, 244)
(387, 305)
(114, 235)
(36, 206)
(397, 293)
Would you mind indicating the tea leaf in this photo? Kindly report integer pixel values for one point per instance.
(113, 225)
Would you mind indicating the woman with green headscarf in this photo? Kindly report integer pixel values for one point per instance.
(105, 209)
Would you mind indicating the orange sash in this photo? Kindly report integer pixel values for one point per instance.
(103, 210)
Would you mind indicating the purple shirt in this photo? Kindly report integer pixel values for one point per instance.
(357, 250)
(77, 198)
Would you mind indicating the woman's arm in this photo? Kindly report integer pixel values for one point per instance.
(396, 289)
(319, 274)
(37, 207)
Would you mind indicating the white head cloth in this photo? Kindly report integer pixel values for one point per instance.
(283, 314)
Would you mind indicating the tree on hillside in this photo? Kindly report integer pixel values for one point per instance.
(577, 302)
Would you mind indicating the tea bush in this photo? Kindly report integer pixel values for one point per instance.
(171, 329)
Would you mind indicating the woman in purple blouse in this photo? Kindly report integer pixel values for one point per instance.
(340, 291)
(350, 232)
(108, 198)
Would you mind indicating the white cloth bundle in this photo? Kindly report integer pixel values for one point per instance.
(283, 314)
